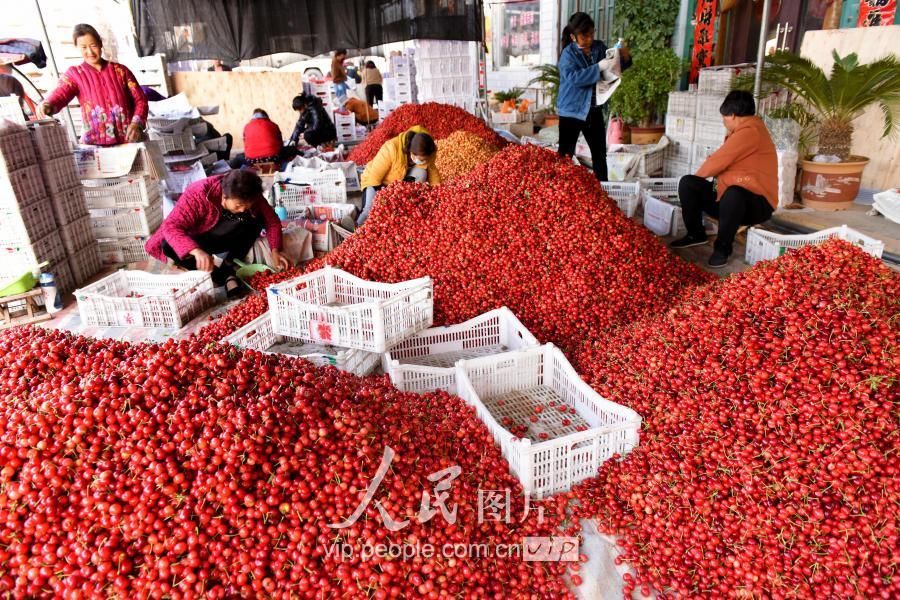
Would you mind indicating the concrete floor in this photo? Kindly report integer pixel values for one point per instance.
(806, 220)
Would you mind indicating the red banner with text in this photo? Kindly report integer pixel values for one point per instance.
(704, 37)
(875, 13)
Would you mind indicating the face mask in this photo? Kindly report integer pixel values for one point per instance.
(419, 161)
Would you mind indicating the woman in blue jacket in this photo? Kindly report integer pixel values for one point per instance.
(579, 72)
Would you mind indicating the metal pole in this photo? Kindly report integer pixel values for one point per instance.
(761, 53)
(53, 67)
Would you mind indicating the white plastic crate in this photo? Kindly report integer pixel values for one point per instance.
(167, 301)
(11, 109)
(50, 139)
(120, 192)
(22, 187)
(664, 218)
(711, 132)
(181, 142)
(627, 194)
(334, 307)
(123, 250)
(700, 152)
(301, 187)
(60, 174)
(708, 106)
(78, 235)
(766, 245)
(259, 335)
(676, 168)
(679, 127)
(330, 212)
(718, 80)
(16, 151)
(678, 151)
(682, 104)
(426, 361)
(25, 224)
(126, 222)
(69, 205)
(85, 264)
(661, 187)
(15, 258)
(506, 390)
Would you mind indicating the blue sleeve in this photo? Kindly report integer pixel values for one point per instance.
(579, 76)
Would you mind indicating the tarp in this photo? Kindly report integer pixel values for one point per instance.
(234, 30)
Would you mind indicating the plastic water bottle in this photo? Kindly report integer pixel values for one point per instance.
(52, 298)
(281, 212)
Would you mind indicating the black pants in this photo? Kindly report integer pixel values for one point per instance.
(374, 92)
(594, 132)
(234, 238)
(285, 155)
(737, 207)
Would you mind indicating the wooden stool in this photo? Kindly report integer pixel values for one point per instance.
(22, 309)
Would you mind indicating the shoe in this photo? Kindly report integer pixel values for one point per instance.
(688, 241)
(234, 289)
(717, 260)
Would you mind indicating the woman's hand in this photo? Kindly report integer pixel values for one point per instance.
(281, 261)
(44, 110)
(133, 133)
(204, 260)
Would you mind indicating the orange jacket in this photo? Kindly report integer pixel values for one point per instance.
(747, 159)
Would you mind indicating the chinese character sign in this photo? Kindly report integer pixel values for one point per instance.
(704, 36)
(875, 13)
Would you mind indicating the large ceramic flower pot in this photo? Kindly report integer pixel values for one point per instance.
(831, 186)
(647, 135)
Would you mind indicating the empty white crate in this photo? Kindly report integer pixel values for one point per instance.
(116, 222)
(16, 151)
(661, 187)
(663, 217)
(50, 139)
(122, 250)
(627, 194)
(508, 388)
(766, 245)
(301, 187)
(120, 192)
(20, 225)
(258, 335)
(425, 362)
(334, 307)
(15, 258)
(69, 205)
(60, 174)
(167, 301)
(85, 264)
(21, 187)
(679, 127)
(181, 142)
(77, 235)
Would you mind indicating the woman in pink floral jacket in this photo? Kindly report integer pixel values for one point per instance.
(113, 105)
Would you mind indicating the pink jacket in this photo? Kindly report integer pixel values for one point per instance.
(110, 99)
(196, 212)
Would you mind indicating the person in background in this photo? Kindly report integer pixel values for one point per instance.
(314, 127)
(339, 73)
(263, 142)
(373, 83)
(364, 113)
(745, 169)
(408, 157)
(113, 105)
(222, 215)
(9, 85)
(580, 65)
(218, 66)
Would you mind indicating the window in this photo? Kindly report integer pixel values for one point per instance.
(515, 33)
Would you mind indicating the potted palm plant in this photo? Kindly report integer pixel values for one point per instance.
(548, 79)
(836, 102)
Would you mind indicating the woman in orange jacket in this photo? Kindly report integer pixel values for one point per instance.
(408, 157)
(745, 191)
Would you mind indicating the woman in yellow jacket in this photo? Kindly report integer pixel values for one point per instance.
(408, 157)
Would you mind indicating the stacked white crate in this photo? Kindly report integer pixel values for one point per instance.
(29, 234)
(681, 117)
(446, 73)
(124, 211)
(53, 147)
(400, 84)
